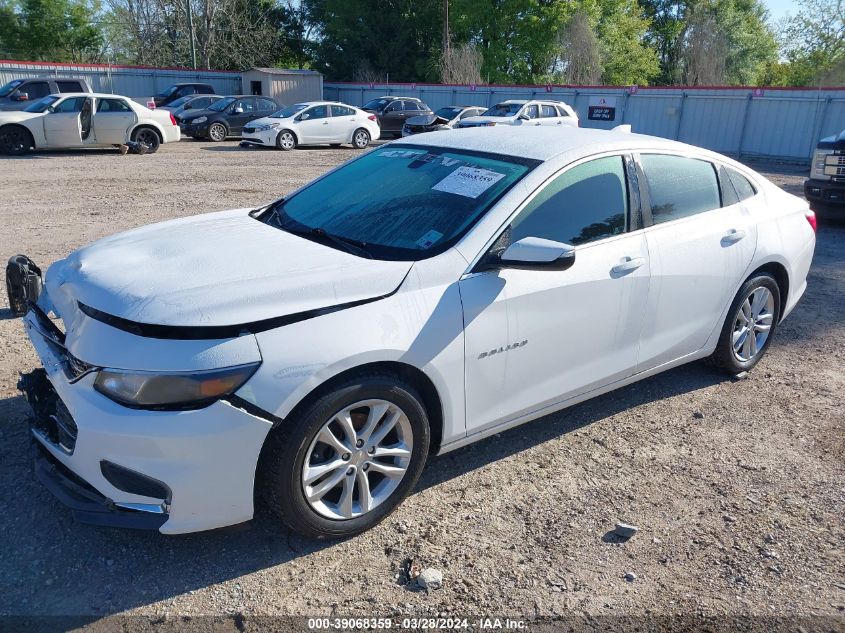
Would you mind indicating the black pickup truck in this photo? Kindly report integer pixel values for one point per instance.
(825, 188)
(19, 93)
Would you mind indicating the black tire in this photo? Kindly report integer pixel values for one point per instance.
(15, 140)
(285, 451)
(724, 357)
(285, 140)
(149, 137)
(217, 132)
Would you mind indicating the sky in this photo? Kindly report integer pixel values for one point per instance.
(779, 8)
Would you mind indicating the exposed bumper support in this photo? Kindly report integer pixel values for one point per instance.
(88, 505)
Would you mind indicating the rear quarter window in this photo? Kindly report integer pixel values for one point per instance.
(744, 189)
(679, 186)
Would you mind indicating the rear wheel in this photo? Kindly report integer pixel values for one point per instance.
(360, 139)
(148, 137)
(15, 140)
(348, 460)
(748, 329)
(285, 140)
(217, 132)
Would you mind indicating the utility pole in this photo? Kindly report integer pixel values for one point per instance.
(191, 34)
(446, 37)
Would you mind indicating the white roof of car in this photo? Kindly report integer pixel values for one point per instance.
(99, 95)
(541, 142)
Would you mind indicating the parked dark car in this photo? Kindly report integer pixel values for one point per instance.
(444, 119)
(177, 91)
(186, 106)
(825, 188)
(392, 112)
(19, 93)
(226, 117)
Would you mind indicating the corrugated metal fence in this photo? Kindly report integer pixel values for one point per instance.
(772, 123)
(130, 81)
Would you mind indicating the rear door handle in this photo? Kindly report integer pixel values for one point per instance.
(628, 264)
(732, 236)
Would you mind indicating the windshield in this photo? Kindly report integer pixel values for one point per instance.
(180, 102)
(448, 113)
(168, 91)
(219, 106)
(504, 109)
(376, 104)
(42, 105)
(401, 203)
(6, 90)
(290, 111)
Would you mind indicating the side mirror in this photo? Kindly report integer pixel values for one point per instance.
(534, 253)
(238, 110)
(21, 96)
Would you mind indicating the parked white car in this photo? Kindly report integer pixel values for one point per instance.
(313, 123)
(428, 294)
(84, 119)
(522, 112)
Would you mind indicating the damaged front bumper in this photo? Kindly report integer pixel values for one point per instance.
(172, 471)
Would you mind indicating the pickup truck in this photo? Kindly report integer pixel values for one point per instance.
(825, 188)
(19, 93)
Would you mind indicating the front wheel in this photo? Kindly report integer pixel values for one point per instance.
(348, 460)
(15, 140)
(217, 132)
(748, 329)
(360, 139)
(285, 140)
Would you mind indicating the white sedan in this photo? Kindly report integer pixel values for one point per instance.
(430, 293)
(312, 123)
(524, 112)
(84, 119)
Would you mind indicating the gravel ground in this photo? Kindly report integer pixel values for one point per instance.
(737, 487)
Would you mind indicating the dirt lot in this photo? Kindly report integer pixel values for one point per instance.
(738, 487)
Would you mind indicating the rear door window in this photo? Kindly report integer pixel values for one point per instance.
(548, 111)
(70, 86)
(339, 110)
(744, 189)
(679, 186)
(113, 105)
(586, 203)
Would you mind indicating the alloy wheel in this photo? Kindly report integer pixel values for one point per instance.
(753, 323)
(286, 140)
(217, 132)
(362, 139)
(357, 459)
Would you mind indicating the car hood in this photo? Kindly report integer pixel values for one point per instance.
(265, 120)
(16, 116)
(190, 115)
(483, 120)
(427, 119)
(217, 269)
(832, 142)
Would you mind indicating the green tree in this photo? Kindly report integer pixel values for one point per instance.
(813, 42)
(371, 39)
(53, 30)
(627, 57)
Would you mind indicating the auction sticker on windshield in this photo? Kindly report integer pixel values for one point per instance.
(470, 182)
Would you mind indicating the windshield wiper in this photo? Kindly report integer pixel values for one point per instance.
(347, 244)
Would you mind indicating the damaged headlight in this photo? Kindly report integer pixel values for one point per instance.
(268, 126)
(176, 390)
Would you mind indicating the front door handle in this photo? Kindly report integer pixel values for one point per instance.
(733, 236)
(628, 264)
(325, 122)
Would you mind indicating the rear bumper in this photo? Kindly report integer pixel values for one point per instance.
(825, 192)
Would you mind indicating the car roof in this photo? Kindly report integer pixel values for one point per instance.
(100, 95)
(542, 143)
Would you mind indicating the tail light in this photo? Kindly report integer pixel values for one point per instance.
(172, 119)
(811, 218)
(372, 117)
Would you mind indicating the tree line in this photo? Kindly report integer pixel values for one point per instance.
(578, 42)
